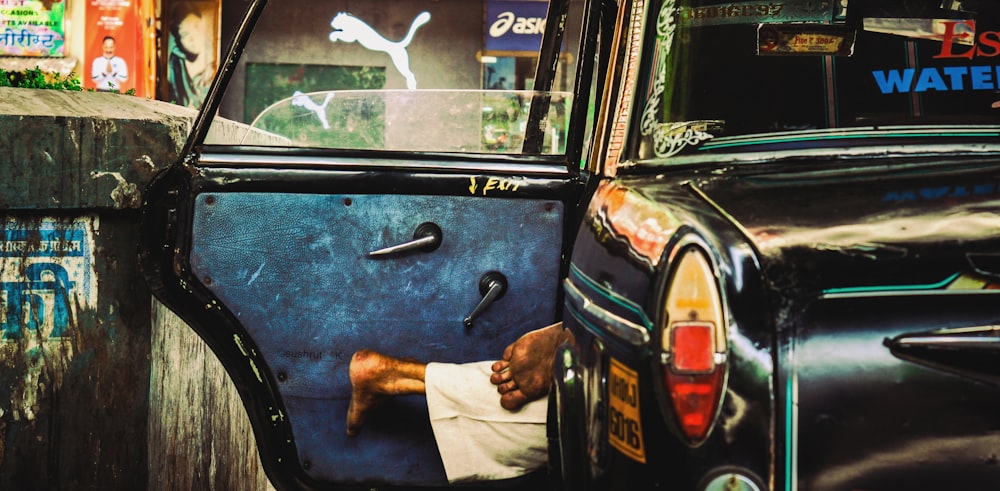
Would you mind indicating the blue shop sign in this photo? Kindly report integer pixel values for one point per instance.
(515, 25)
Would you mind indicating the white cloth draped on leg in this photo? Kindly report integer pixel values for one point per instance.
(479, 440)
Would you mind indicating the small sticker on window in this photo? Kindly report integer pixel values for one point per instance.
(763, 12)
(670, 138)
(775, 40)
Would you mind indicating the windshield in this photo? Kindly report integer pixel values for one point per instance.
(399, 76)
(747, 76)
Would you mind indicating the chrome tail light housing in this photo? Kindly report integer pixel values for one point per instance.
(693, 344)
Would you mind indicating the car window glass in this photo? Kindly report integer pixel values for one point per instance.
(398, 76)
(730, 77)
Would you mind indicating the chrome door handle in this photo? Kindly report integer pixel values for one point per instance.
(492, 286)
(968, 351)
(426, 238)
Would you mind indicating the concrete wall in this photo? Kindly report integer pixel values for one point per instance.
(71, 150)
(101, 388)
(199, 434)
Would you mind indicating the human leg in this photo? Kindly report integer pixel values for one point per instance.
(478, 436)
(374, 377)
(477, 439)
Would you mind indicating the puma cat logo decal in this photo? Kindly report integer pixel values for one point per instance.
(349, 29)
(300, 99)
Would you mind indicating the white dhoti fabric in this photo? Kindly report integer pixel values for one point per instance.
(479, 440)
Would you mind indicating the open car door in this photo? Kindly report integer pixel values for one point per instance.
(429, 224)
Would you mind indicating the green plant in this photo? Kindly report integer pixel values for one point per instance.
(35, 78)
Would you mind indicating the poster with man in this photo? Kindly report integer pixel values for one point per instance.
(118, 47)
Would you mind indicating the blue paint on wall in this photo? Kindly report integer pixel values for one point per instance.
(40, 292)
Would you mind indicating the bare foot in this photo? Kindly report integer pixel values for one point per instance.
(525, 371)
(374, 377)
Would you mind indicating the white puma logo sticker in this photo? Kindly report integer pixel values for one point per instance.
(300, 99)
(349, 29)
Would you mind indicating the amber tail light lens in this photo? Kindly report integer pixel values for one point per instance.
(694, 345)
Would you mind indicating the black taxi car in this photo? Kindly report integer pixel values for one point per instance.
(771, 227)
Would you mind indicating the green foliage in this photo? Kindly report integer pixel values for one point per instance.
(274, 82)
(35, 78)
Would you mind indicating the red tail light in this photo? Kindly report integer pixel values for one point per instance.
(695, 401)
(694, 345)
(693, 350)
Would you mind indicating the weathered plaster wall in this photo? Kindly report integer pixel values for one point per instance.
(71, 150)
(199, 434)
(99, 390)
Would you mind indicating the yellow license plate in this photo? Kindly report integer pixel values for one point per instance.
(624, 425)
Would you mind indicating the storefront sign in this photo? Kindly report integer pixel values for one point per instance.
(959, 40)
(32, 28)
(961, 31)
(515, 25)
(348, 28)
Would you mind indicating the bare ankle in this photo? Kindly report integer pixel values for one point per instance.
(380, 374)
